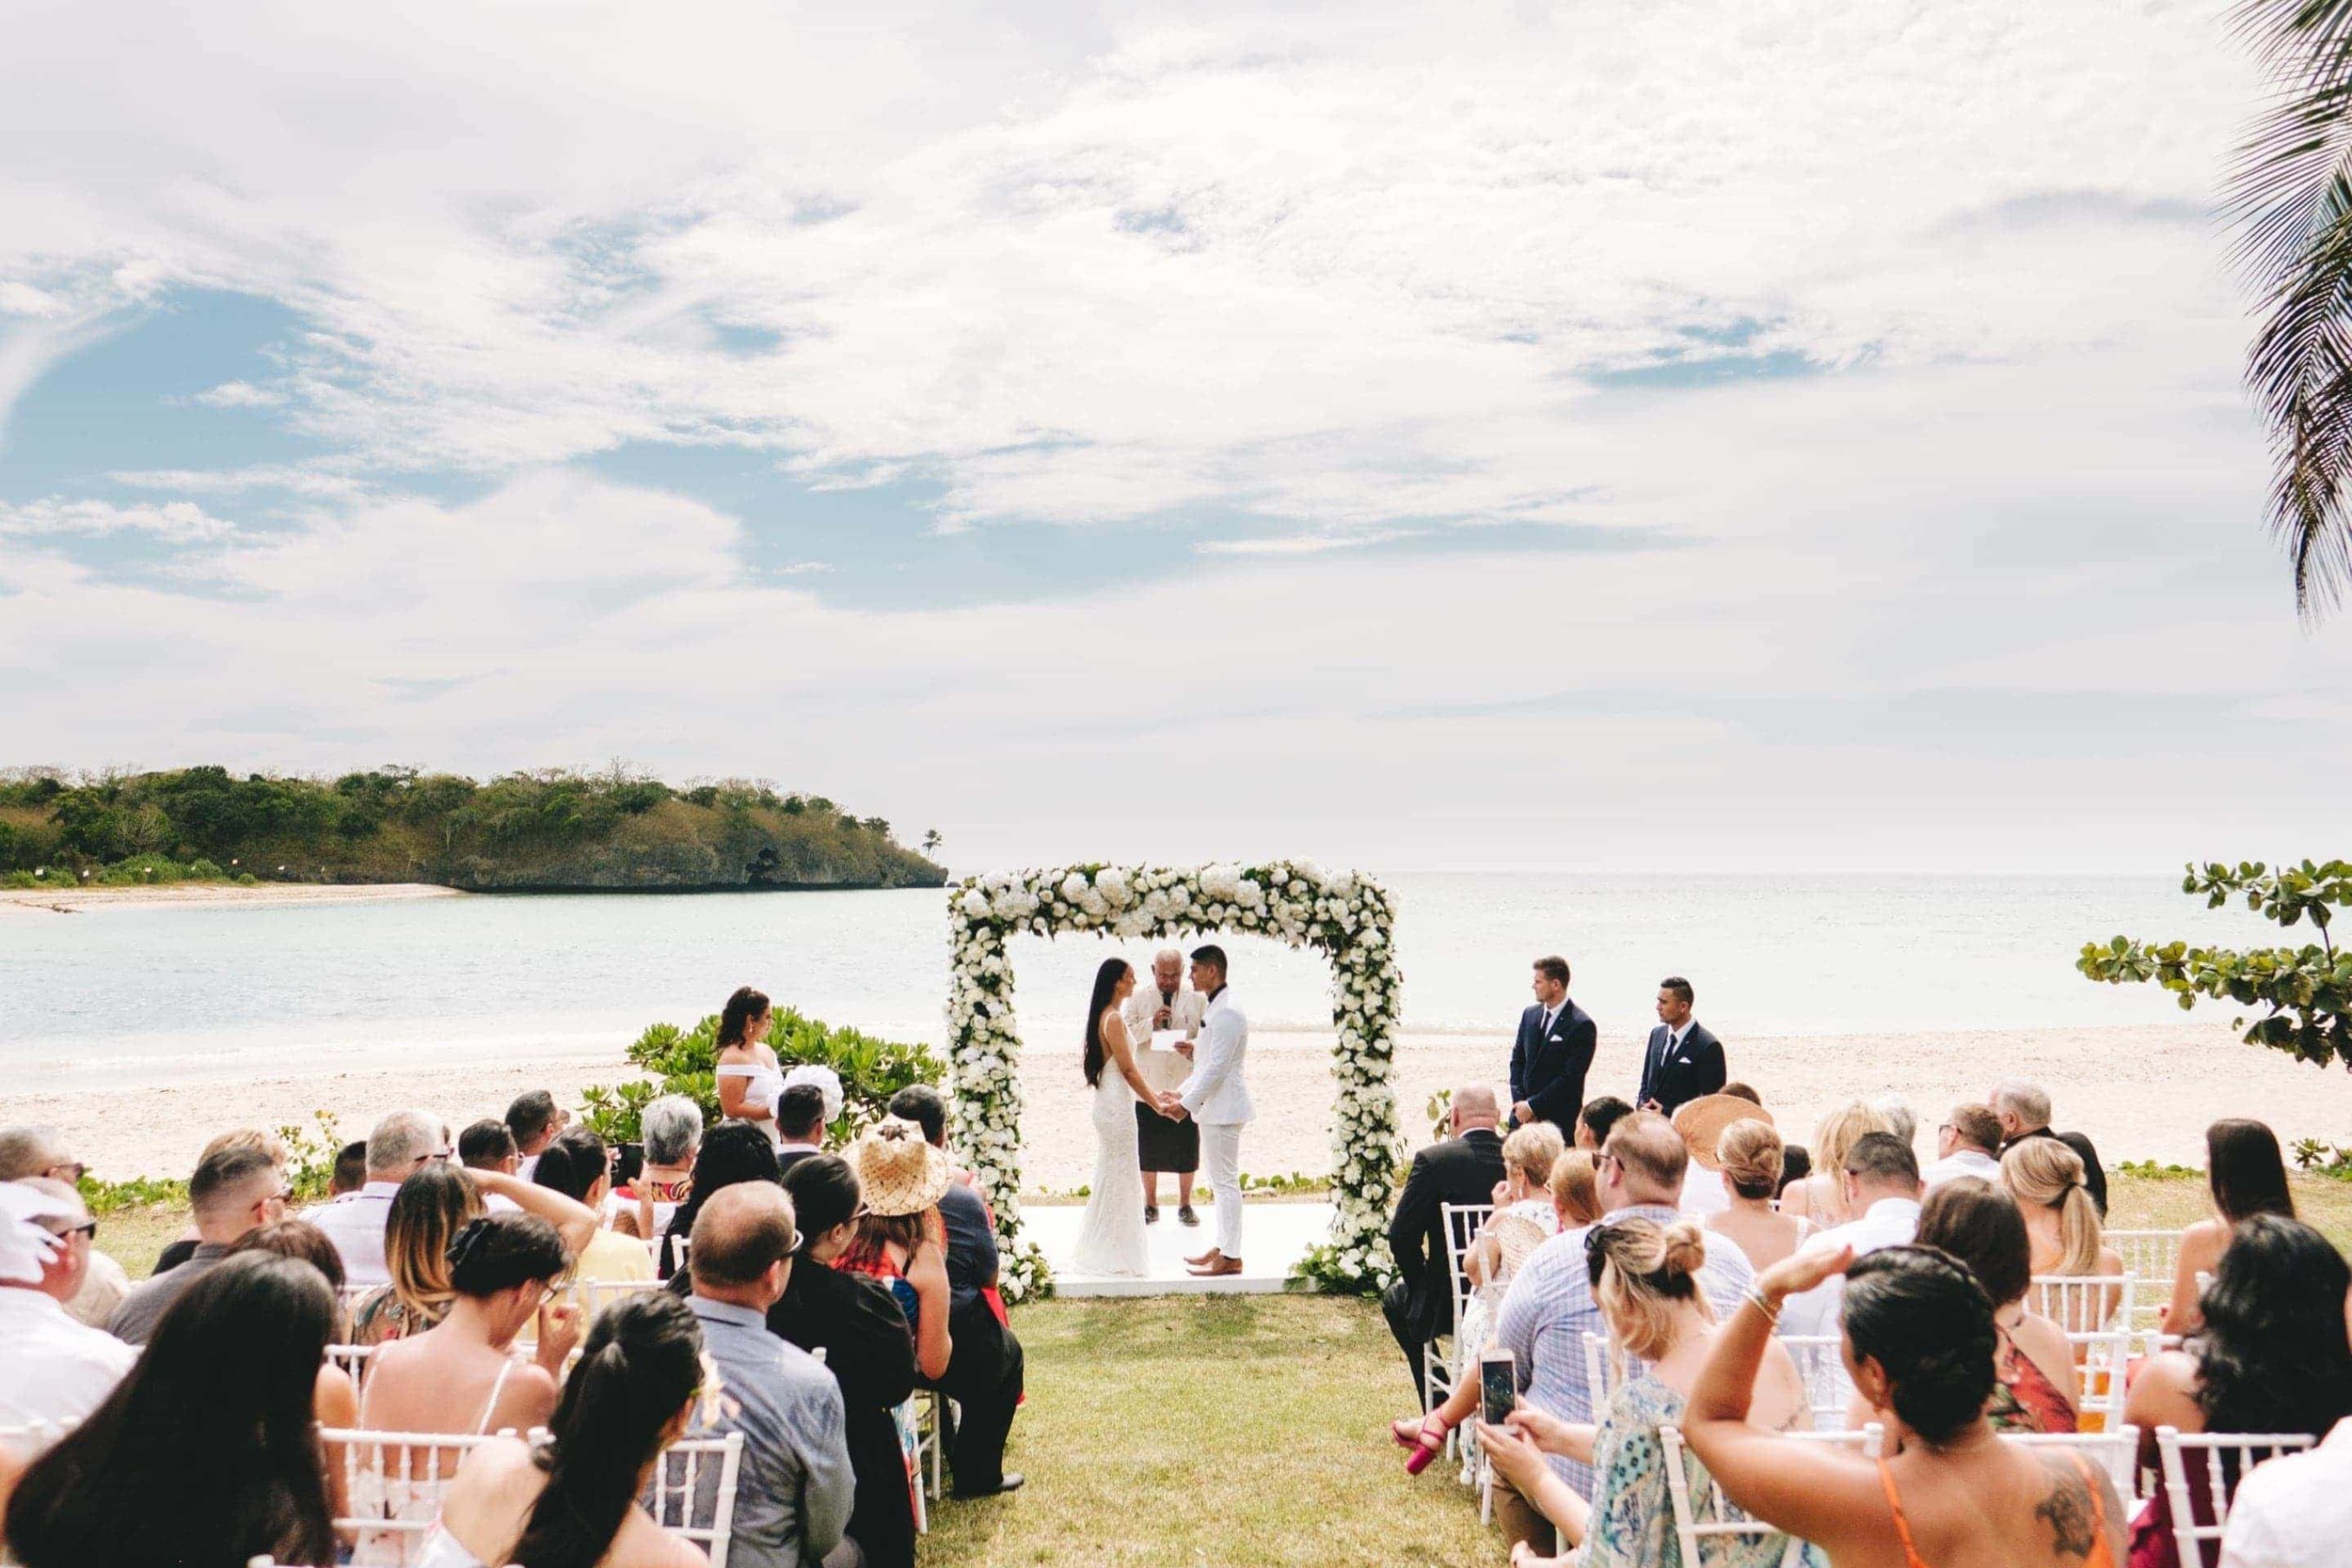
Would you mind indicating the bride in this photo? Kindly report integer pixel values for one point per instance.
(1110, 1238)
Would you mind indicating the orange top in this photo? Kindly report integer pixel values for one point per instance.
(2098, 1515)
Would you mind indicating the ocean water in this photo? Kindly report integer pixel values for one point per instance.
(1768, 955)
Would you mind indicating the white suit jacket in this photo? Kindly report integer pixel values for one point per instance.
(1218, 1095)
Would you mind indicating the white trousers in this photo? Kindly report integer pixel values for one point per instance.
(1220, 1160)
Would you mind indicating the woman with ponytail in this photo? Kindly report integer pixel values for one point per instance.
(1644, 1279)
(570, 1499)
(749, 1079)
(2062, 1228)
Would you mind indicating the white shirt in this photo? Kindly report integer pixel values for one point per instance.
(1889, 1221)
(355, 1223)
(2295, 1510)
(1968, 1162)
(1703, 1192)
(52, 1369)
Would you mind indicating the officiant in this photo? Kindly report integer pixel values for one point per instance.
(1161, 1016)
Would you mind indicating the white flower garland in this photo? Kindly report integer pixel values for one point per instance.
(1343, 915)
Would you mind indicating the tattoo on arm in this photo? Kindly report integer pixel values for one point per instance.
(2069, 1509)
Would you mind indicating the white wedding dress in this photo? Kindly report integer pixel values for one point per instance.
(1110, 1237)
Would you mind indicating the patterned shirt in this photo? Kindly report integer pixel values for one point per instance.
(793, 1502)
(1632, 1522)
(1550, 1308)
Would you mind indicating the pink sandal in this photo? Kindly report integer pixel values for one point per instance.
(1425, 1438)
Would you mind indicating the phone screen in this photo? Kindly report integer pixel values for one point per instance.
(631, 1163)
(1498, 1386)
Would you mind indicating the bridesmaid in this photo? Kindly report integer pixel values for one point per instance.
(749, 1079)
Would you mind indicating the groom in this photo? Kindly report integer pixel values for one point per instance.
(1218, 1099)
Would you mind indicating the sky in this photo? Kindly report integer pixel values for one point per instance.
(1675, 434)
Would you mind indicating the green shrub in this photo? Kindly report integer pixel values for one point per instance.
(684, 1062)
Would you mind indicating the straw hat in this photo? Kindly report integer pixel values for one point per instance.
(902, 1174)
(1701, 1121)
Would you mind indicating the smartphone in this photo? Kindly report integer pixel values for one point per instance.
(628, 1164)
(1498, 1386)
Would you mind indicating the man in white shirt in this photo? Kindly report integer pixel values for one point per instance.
(51, 1368)
(1968, 1144)
(1882, 1179)
(354, 1222)
(29, 1152)
(2295, 1510)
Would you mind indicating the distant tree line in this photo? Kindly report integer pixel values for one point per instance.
(551, 829)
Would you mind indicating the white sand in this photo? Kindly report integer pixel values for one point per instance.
(30, 903)
(2139, 1092)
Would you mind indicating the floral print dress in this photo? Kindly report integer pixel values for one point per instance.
(1633, 1523)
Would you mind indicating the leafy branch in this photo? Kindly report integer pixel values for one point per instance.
(2306, 991)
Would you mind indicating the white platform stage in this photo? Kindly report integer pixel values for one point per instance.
(1275, 1236)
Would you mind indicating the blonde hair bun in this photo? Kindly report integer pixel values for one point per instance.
(1682, 1248)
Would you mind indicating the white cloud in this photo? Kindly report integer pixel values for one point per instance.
(173, 522)
(238, 395)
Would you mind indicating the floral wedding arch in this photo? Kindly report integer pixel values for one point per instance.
(1345, 917)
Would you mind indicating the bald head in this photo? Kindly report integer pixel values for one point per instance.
(1475, 1106)
(742, 1245)
(1646, 1160)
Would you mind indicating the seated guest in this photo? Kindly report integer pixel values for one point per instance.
(51, 1369)
(793, 1503)
(576, 1164)
(354, 1221)
(461, 1375)
(1900, 1120)
(1748, 1152)
(37, 1151)
(867, 1349)
(1819, 1199)
(534, 1120)
(1464, 1169)
(183, 1248)
(1526, 1215)
(900, 1239)
(1701, 1124)
(206, 1454)
(235, 1189)
(2271, 1356)
(351, 1168)
(1683, 1060)
(672, 1127)
(986, 1371)
(2025, 1112)
(1881, 1190)
(336, 1398)
(2245, 1176)
(800, 1119)
(2291, 1511)
(2033, 1366)
(428, 1212)
(1645, 1275)
(1919, 1338)
(1549, 1308)
(2052, 1192)
(568, 1499)
(488, 1146)
(1743, 1091)
(1968, 1144)
(1796, 1163)
(1593, 1122)
(730, 1153)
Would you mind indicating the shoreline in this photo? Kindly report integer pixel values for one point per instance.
(72, 900)
(2140, 1092)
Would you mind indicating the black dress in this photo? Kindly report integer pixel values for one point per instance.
(870, 1353)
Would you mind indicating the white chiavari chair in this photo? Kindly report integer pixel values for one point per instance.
(2149, 1257)
(2083, 1303)
(1604, 1370)
(593, 1296)
(2116, 1451)
(2102, 1367)
(1461, 1222)
(1820, 1361)
(1710, 1515)
(693, 1492)
(2223, 1457)
(393, 1483)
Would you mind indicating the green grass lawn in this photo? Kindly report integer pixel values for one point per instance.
(1220, 1429)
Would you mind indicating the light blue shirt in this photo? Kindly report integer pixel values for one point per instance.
(1550, 1308)
(792, 1501)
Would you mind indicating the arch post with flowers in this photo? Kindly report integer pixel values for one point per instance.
(1346, 917)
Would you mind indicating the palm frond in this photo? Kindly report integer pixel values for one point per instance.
(2290, 198)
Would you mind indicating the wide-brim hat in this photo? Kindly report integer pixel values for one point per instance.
(901, 1173)
(1701, 1121)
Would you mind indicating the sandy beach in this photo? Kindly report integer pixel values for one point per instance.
(2140, 1092)
(34, 903)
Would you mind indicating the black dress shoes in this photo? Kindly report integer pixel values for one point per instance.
(1151, 1213)
(1187, 1216)
(1010, 1481)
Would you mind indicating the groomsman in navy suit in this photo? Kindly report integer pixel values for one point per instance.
(1554, 1050)
(1683, 1060)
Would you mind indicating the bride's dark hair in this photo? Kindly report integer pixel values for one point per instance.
(1106, 982)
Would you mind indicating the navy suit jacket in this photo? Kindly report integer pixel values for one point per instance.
(1548, 1069)
(1695, 1069)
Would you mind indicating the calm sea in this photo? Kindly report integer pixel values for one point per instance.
(1769, 955)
